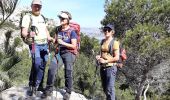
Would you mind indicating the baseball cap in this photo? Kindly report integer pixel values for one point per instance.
(110, 26)
(37, 2)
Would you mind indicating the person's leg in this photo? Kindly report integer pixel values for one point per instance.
(41, 86)
(41, 63)
(68, 60)
(110, 89)
(53, 67)
(44, 58)
(32, 77)
(52, 72)
(37, 66)
(103, 76)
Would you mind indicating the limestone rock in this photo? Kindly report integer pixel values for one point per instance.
(20, 93)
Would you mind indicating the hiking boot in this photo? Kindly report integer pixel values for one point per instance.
(30, 91)
(40, 89)
(66, 96)
(34, 90)
(47, 92)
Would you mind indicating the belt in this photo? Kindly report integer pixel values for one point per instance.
(107, 66)
(41, 41)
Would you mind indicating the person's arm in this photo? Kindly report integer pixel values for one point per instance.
(49, 37)
(24, 31)
(25, 26)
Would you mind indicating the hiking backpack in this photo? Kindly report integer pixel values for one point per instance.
(122, 52)
(27, 40)
(76, 27)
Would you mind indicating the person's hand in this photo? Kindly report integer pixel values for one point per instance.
(51, 39)
(60, 41)
(97, 57)
(103, 61)
(32, 34)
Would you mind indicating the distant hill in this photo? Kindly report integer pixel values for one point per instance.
(92, 32)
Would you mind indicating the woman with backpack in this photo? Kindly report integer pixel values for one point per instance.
(67, 43)
(107, 61)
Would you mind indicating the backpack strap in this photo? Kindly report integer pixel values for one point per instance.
(30, 23)
(111, 46)
(44, 18)
(101, 43)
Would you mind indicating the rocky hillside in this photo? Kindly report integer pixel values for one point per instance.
(20, 93)
(15, 17)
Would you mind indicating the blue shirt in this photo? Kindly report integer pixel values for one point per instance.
(66, 36)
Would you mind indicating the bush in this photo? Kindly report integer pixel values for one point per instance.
(7, 82)
(19, 73)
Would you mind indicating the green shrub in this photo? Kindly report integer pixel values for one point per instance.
(19, 73)
(5, 78)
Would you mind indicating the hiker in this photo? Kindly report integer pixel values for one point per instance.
(108, 61)
(67, 43)
(34, 26)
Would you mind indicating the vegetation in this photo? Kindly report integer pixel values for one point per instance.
(7, 7)
(143, 28)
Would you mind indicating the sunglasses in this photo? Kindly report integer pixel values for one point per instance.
(107, 30)
(62, 18)
(37, 6)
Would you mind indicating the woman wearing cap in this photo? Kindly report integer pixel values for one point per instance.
(66, 44)
(108, 62)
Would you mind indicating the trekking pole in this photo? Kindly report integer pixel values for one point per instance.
(95, 77)
(33, 54)
(57, 60)
(33, 44)
(96, 74)
(49, 51)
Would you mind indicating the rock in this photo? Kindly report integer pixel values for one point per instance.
(1, 85)
(20, 93)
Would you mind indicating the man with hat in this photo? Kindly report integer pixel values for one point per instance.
(34, 26)
(108, 61)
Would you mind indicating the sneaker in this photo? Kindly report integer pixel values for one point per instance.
(66, 96)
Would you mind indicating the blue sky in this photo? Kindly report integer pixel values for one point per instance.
(88, 13)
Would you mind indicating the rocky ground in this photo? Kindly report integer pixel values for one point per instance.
(20, 93)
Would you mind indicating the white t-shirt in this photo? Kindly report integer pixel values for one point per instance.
(39, 23)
